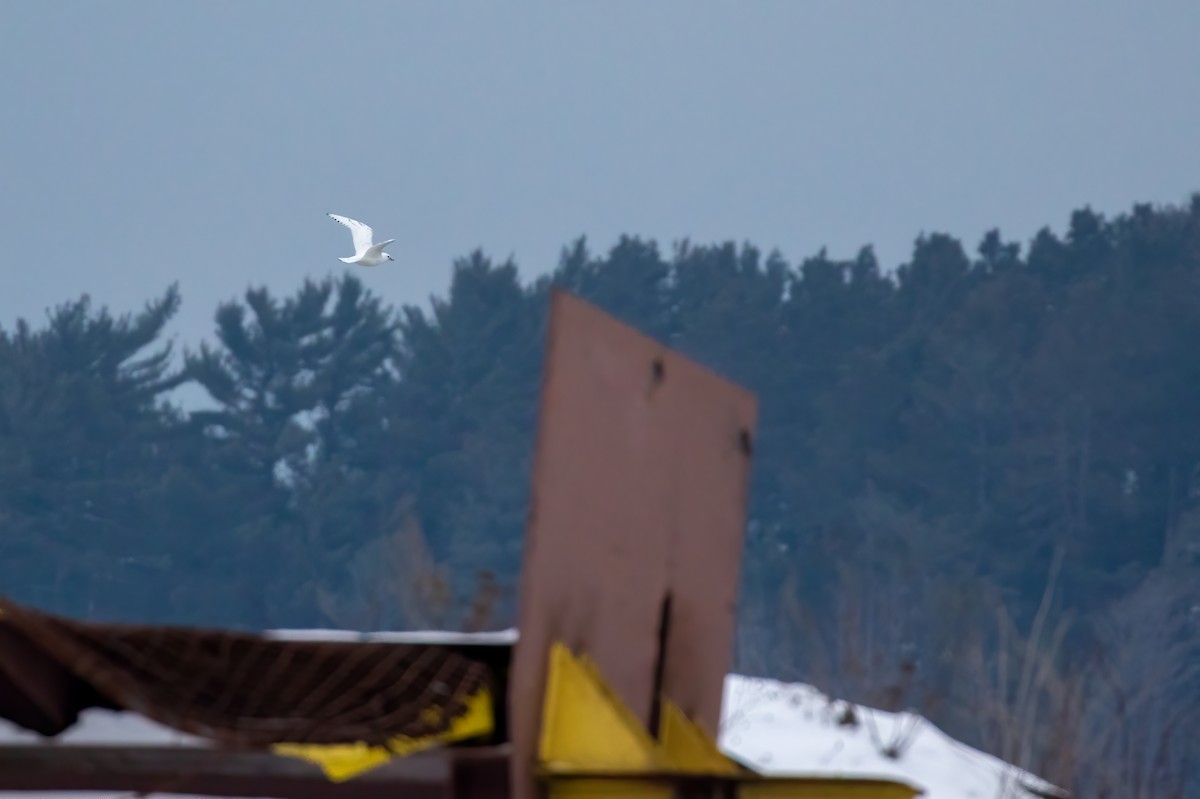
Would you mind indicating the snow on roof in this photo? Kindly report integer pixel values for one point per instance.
(493, 638)
(98, 727)
(793, 729)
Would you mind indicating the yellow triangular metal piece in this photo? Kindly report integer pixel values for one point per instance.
(585, 726)
(340, 762)
(686, 747)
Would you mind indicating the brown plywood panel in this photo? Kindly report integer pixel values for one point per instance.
(639, 493)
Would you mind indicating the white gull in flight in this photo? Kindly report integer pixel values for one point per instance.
(366, 253)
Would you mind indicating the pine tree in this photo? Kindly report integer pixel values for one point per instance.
(84, 437)
(291, 436)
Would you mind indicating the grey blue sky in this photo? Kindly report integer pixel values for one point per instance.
(202, 142)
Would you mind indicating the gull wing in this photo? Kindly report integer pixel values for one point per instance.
(360, 234)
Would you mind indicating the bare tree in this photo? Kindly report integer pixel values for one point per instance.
(395, 583)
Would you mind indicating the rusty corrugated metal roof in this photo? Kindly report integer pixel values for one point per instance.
(235, 688)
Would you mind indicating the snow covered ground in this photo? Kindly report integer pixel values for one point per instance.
(774, 727)
(794, 729)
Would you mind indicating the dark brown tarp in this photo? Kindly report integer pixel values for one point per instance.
(235, 688)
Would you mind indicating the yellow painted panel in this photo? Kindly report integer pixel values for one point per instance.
(688, 748)
(340, 762)
(584, 725)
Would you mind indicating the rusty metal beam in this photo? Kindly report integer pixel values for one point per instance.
(462, 773)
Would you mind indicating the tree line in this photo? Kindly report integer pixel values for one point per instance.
(950, 453)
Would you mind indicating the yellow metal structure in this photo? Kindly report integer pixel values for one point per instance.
(593, 747)
(585, 727)
(340, 762)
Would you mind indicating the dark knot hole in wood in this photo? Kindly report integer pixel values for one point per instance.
(746, 442)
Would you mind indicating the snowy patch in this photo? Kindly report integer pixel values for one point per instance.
(98, 727)
(496, 638)
(796, 730)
